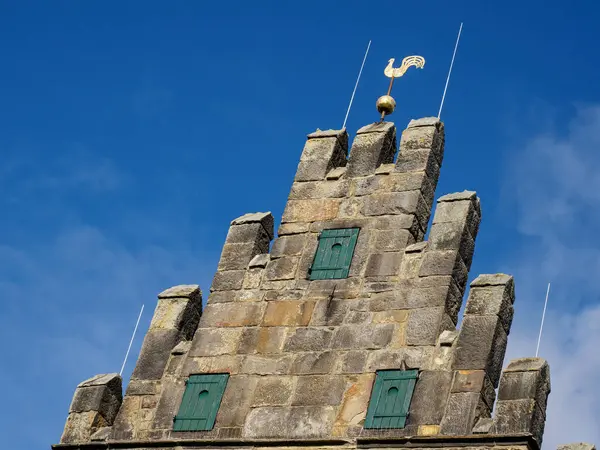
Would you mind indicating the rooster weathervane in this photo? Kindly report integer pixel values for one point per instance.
(386, 103)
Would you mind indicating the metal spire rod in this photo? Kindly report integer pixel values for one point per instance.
(542, 324)
(450, 71)
(131, 341)
(356, 85)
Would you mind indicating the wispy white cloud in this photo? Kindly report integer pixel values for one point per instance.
(71, 293)
(67, 312)
(554, 182)
(77, 167)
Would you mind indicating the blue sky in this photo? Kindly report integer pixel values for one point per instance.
(132, 133)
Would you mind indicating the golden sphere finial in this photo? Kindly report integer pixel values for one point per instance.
(386, 105)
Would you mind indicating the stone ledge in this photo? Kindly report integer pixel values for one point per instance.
(386, 439)
(496, 279)
(102, 434)
(423, 122)
(458, 196)
(483, 425)
(98, 380)
(182, 348)
(442, 441)
(416, 248)
(526, 364)
(448, 338)
(181, 291)
(209, 442)
(385, 169)
(326, 133)
(376, 127)
(259, 260)
(336, 173)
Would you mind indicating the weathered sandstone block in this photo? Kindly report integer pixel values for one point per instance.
(94, 406)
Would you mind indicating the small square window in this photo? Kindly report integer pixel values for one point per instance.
(334, 254)
(200, 403)
(390, 399)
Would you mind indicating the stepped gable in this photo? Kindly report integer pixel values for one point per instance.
(343, 334)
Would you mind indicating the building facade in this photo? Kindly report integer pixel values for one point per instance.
(342, 333)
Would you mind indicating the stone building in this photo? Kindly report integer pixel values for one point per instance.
(342, 333)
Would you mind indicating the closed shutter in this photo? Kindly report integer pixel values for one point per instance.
(334, 254)
(390, 399)
(200, 403)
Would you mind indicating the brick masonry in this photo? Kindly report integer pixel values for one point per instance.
(302, 354)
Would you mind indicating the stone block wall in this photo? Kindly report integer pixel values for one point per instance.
(302, 354)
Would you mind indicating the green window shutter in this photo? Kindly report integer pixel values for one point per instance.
(334, 254)
(200, 403)
(390, 399)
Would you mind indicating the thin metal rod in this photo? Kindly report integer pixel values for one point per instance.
(450, 71)
(537, 350)
(131, 341)
(391, 84)
(388, 93)
(356, 85)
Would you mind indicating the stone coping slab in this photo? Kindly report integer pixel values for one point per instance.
(438, 441)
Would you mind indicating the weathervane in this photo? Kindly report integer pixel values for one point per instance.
(386, 103)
